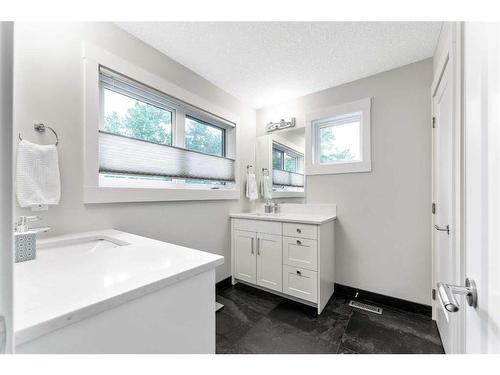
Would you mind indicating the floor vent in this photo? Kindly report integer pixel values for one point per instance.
(364, 306)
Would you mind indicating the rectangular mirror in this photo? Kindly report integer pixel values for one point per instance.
(280, 156)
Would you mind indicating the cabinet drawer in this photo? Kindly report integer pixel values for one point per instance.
(300, 283)
(260, 226)
(300, 230)
(300, 252)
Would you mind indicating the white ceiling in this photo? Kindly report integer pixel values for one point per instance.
(263, 63)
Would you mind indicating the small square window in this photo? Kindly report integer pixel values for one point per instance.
(338, 139)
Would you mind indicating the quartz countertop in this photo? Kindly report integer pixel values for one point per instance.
(68, 283)
(290, 217)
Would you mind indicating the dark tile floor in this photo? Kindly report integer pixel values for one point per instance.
(254, 321)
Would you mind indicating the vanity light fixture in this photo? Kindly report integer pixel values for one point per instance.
(282, 124)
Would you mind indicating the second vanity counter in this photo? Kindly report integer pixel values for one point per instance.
(291, 253)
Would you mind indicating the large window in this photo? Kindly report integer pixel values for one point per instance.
(149, 139)
(286, 160)
(288, 168)
(204, 137)
(339, 139)
(133, 117)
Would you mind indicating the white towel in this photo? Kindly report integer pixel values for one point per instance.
(252, 193)
(266, 187)
(37, 174)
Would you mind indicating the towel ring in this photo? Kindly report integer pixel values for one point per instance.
(41, 129)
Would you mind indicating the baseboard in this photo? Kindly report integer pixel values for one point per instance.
(223, 284)
(384, 300)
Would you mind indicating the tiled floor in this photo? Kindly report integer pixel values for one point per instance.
(254, 321)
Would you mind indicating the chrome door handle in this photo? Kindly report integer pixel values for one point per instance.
(3, 335)
(442, 229)
(447, 294)
(252, 246)
(258, 246)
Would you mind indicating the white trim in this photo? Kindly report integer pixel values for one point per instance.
(449, 52)
(365, 164)
(93, 57)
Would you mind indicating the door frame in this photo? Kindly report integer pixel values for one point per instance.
(449, 53)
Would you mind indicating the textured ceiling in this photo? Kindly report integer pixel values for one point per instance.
(263, 63)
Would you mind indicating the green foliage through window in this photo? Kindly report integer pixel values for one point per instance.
(130, 117)
(204, 138)
(332, 150)
(285, 161)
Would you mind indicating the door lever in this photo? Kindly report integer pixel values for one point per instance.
(447, 294)
(442, 229)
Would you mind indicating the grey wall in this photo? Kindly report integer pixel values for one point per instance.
(48, 88)
(383, 230)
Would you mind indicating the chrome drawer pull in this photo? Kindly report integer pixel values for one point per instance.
(298, 273)
(299, 242)
(298, 230)
(252, 246)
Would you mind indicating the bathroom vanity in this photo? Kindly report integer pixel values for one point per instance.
(115, 292)
(291, 253)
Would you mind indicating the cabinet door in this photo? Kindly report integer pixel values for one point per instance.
(244, 256)
(270, 261)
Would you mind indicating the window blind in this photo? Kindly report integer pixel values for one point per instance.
(125, 155)
(284, 178)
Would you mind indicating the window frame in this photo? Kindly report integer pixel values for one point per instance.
(284, 150)
(321, 118)
(172, 109)
(188, 104)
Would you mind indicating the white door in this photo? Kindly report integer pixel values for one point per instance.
(245, 263)
(6, 196)
(482, 184)
(444, 254)
(270, 261)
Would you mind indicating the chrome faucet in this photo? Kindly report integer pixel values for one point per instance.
(22, 225)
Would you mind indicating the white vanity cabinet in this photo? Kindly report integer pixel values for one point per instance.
(291, 258)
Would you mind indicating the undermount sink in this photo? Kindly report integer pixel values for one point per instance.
(82, 245)
(264, 214)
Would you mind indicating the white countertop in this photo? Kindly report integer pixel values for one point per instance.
(67, 284)
(290, 217)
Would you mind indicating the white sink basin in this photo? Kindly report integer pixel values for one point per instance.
(81, 245)
(263, 214)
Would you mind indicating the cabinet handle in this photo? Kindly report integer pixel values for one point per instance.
(299, 273)
(258, 246)
(299, 242)
(298, 230)
(252, 246)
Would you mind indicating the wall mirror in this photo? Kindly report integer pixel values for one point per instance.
(280, 160)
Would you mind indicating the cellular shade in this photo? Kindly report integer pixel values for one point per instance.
(284, 178)
(124, 155)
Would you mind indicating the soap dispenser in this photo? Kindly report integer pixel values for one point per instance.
(25, 239)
